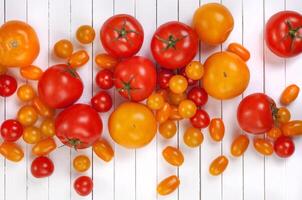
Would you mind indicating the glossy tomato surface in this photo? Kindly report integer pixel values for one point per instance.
(42, 167)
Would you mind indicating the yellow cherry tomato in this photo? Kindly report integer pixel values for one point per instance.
(263, 146)
(44, 147)
(42, 109)
(194, 70)
(81, 163)
(175, 99)
(47, 127)
(163, 114)
(193, 137)
(31, 72)
(155, 101)
(289, 94)
(63, 49)
(27, 115)
(11, 151)
(274, 133)
(167, 129)
(26, 92)
(85, 34)
(283, 115)
(168, 185)
(216, 129)
(178, 84)
(239, 145)
(78, 59)
(173, 156)
(105, 61)
(187, 108)
(174, 114)
(31, 135)
(103, 150)
(218, 165)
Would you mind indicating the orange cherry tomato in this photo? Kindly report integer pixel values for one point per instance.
(239, 50)
(11, 151)
(216, 129)
(263, 146)
(187, 108)
(283, 115)
(27, 115)
(167, 129)
(105, 61)
(31, 135)
(164, 93)
(63, 48)
(289, 94)
(193, 137)
(175, 99)
(168, 185)
(173, 156)
(292, 128)
(3, 69)
(31, 72)
(163, 114)
(26, 92)
(47, 127)
(194, 70)
(78, 59)
(178, 84)
(85, 34)
(81, 163)
(274, 133)
(239, 145)
(44, 147)
(155, 101)
(174, 114)
(218, 165)
(41, 108)
(103, 150)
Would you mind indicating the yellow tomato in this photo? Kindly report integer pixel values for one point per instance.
(63, 48)
(27, 115)
(81, 163)
(155, 101)
(194, 70)
(193, 137)
(178, 84)
(167, 129)
(187, 108)
(85, 34)
(31, 135)
(48, 127)
(31, 72)
(26, 92)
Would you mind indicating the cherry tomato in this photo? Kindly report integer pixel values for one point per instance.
(31, 135)
(263, 146)
(155, 101)
(174, 114)
(78, 59)
(31, 72)
(47, 127)
(191, 82)
(44, 147)
(218, 165)
(3, 69)
(178, 84)
(238, 50)
(239, 145)
(8, 85)
(26, 92)
(173, 156)
(175, 99)
(103, 150)
(168, 185)
(81, 163)
(27, 115)
(101, 102)
(289, 94)
(194, 70)
(41, 108)
(216, 129)
(106, 61)
(187, 108)
(83, 185)
(163, 93)
(163, 114)
(274, 133)
(163, 78)
(85, 34)
(284, 146)
(11, 130)
(42, 167)
(11, 151)
(283, 115)
(167, 129)
(292, 128)
(201, 119)
(104, 79)
(63, 48)
(193, 137)
(198, 95)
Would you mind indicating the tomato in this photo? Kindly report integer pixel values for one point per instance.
(8, 85)
(81, 163)
(239, 145)
(284, 146)
(47, 127)
(105, 61)
(31, 135)
(191, 82)
(103, 150)
(187, 108)
(11, 130)
(290, 93)
(226, 75)
(3, 69)
(19, 44)
(261, 109)
(27, 115)
(174, 114)
(41, 108)
(292, 128)
(44, 147)
(201, 119)
(132, 125)
(174, 45)
(26, 92)
(175, 99)
(135, 78)
(78, 59)
(155, 101)
(167, 129)
(104, 79)
(168, 185)
(101, 102)
(218, 165)
(163, 93)
(31, 72)
(263, 146)
(42, 167)
(163, 78)
(83, 185)
(173, 156)
(213, 23)
(178, 84)
(85, 34)
(237, 49)
(60, 86)
(63, 48)
(274, 133)
(198, 95)
(193, 137)
(163, 114)
(122, 36)
(11, 151)
(283, 115)
(216, 129)
(283, 33)
(194, 70)
(78, 126)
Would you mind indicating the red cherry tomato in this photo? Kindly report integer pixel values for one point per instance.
(163, 78)
(11, 130)
(201, 119)
(198, 95)
(83, 185)
(8, 85)
(284, 146)
(101, 102)
(42, 167)
(104, 79)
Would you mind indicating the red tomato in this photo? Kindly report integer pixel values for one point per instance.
(122, 36)
(8, 85)
(174, 45)
(101, 102)
(163, 78)
(198, 95)
(11, 130)
(201, 119)
(83, 185)
(190, 81)
(255, 113)
(284, 146)
(104, 79)
(78, 126)
(283, 33)
(42, 167)
(60, 86)
(135, 78)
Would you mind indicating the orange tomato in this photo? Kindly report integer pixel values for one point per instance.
(193, 137)
(19, 44)
(85, 34)
(216, 129)
(31, 72)
(167, 129)
(163, 114)
(78, 59)
(164, 93)
(292, 128)
(103, 150)
(63, 48)
(175, 99)
(168, 185)
(47, 127)
(11, 151)
(187, 108)
(3, 69)
(81, 163)
(31, 135)
(44, 147)
(173, 156)
(194, 70)
(274, 133)
(105, 61)
(42, 109)
(283, 115)
(263, 146)
(239, 145)
(174, 114)
(239, 50)
(155, 101)
(178, 84)
(27, 115)
(289, 94)
(26, 92)
(218, 165)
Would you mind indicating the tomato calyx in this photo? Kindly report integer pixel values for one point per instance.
(72, 72)
(171, 41)
(293, 33)
(127, 87)
(274, 110)
(123, 32)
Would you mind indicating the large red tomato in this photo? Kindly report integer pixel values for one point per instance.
(174, 45)
(283, 33)
(78, 126)
(135, 78)
(60, 86)
(255, 113)
(122, 36)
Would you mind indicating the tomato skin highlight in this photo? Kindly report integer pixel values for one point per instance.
(11, 130)
(263, 146)
(103, 150)
(216, 129)
(218, 165)
(168, 185)
(42, 167)
(239, 145)
(83, 185)
(289, 94)
(173, 156)
(11, 151)
(284, 146)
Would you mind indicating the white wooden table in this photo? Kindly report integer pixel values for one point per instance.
(133, 174)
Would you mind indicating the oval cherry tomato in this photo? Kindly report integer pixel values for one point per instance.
(155, 101)
(8, 85)
(44, 147)
(163, 78)
(26, 92)
(63, 48)
(198, 95)
(83, 185)
(11, 130)
(11, 151)
(42, 167)
(41, 108)
(27, 115)
(263, 146)
(78, 59)
(163, 114)
(191, 82)
(167, 129)
(238, 49)
(216, 129)
(168, 185)
(284, 146)
(173, 156)
(104, 79)
(31, 135)
(174, 114)
(290, 93)
(218, 165)
(85, 34)
(187, 108)
(239, 145)
(175, 99)
(31, 72)
(283, 115)
(81, 163)
(101, 102)
(193, 137)
(292, 128)
(194, 70)
(201, 119)
(47, 127)
(106, 61)
(274, 133)
(103, 150)
(178, 84)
